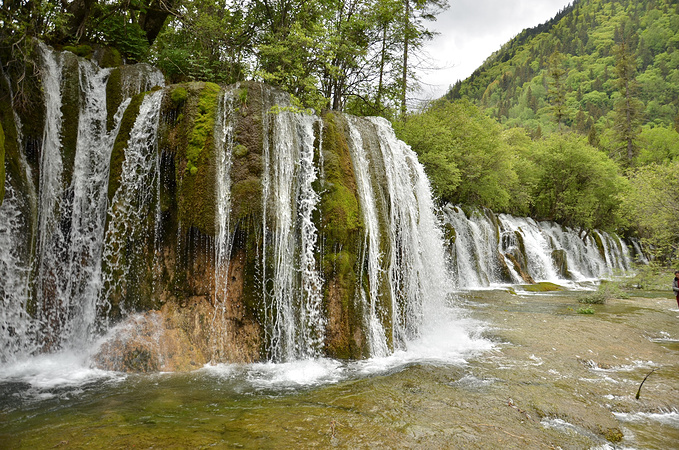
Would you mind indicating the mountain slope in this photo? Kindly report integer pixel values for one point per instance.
(566, 68)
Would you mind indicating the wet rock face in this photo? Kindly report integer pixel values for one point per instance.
(149, 342)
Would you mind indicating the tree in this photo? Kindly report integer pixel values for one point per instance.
(577, 185)
(211, 40)
(414, 35)
(464, 154)
(652, 206)
(628, 109)
(557, 90)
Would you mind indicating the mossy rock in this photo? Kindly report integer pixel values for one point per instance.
(178, 95)
(613, 435)
(195, 168)
(560, 260)
(109, 57)
(599, 244)
(11, 166)
(114, 97)
(341, 229)
(543, 286)
(82, 50)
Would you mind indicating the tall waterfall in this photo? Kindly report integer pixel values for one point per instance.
(494, 249)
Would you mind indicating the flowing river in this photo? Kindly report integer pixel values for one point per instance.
(534, 374)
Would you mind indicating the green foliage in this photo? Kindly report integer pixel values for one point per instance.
(652, 205)
(576, 184)
(607, 290)
(658, 145)
(606, 58)
(586, 310)
(464, 154)
(209, 41)
(127, 37)
(652, 276)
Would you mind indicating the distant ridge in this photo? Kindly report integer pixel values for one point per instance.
(514, 84)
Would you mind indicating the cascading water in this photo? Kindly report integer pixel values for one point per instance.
(543, 251)
(315, 236)
(417, 277)
(224, 138)
(295, 321)
(371, 247)
(64, 270)
(17, 212)
(135, 201)
(50, 276)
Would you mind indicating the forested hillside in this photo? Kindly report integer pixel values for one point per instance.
(569, 72)
(574, 120)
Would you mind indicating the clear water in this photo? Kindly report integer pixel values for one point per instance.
(512, 388)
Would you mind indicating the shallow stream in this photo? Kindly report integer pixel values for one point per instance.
(536, 375)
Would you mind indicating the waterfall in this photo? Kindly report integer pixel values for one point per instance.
(295, 321)
(224, 138)
(416, 268)
(486, 246)
(51, 276)
(371, 247)
(17, 212)
(135, 201)
(17, 328)
(310, 236)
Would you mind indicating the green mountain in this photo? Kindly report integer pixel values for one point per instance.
(567, 70)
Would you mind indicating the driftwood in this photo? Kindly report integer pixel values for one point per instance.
(642, 383)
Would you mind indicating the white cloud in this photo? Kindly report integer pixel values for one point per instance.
(471, 30)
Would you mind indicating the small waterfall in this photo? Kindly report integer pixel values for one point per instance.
(507, 249)
(417, 271)
(295, 323)
(18, 330)
(51, 277)
(372, 255)
(134, 211)
(313, 321)
(395, 196)
(475, 246)
(224, 138)
(71, 221)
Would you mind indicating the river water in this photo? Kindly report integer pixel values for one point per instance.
(533, 374)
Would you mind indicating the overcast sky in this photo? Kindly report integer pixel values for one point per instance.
(471, 30)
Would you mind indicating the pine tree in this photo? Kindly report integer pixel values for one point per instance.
(557, 91)
(628, 109)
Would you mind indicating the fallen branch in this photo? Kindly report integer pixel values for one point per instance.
(642, 383)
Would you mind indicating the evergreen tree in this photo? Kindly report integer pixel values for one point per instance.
(557, 91)
(628, 109)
